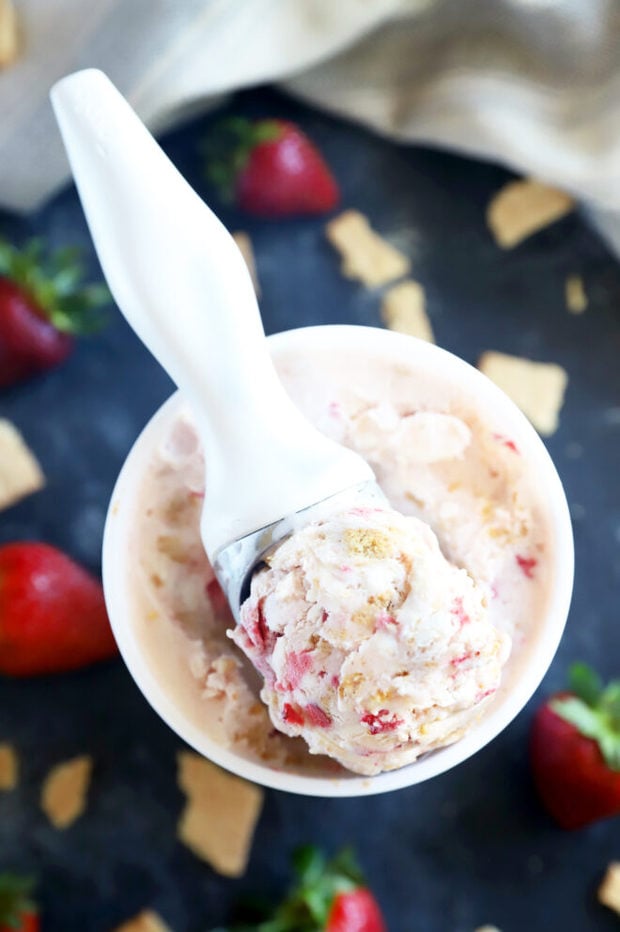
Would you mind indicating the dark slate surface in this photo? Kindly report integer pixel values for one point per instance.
(470, 847)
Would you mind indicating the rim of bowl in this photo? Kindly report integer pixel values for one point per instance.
(116, 579)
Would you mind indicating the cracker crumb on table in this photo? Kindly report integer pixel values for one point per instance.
(404, 309)
(576, 297)
(366, 256)
(522, 208)
(9, 39)
(244, 243)
(609, 890)
(535, 387)
(63, 798)
(9, 767)
(20, 473)
(146, 921)
(220, 815)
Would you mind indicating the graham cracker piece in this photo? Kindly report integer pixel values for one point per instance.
(404, 309)
(9, 768)
(366, 256)
(535, 387)
(524, 207)
(146, 921)
(576, 297)
(63, 798)
(368, 542)
(220, 815)
(9, 39)
(609, 890)
(20, 473)
(244, 243)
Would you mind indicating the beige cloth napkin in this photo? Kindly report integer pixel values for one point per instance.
(534, 84)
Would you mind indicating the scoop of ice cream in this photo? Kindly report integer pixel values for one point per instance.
(373, 647)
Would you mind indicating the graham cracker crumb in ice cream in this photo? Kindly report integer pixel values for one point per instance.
(367, 543)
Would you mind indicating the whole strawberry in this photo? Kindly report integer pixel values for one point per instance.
(17, 910)
(270, 168)
(42, 306)
(328, 896)
(52, 612)
(575, 750)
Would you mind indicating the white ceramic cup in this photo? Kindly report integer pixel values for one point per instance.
(186, 722)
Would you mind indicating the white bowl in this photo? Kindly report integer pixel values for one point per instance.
(544, 641)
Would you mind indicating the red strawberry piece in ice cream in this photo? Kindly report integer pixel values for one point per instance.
(527, 565)
(292, 714)
(379, 723)
(316, 716)
(458, 610)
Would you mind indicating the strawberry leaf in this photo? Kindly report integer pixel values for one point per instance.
(345, 863)
(585, 683)
(15, 899)
(585, 719)
(609, 744)
(600, 722)
(54, 283)
(309, 863)
(610, 702)
(229, 147)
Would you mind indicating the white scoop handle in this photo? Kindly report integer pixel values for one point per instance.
(180, 281)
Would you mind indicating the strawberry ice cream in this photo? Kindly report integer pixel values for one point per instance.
(373, 647)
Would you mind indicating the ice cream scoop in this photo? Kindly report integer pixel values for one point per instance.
(372, 646)
(180, 281)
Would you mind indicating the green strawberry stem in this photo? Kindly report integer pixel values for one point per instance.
(594, 710)
(53, 283)
(229, 147)
(15, 899)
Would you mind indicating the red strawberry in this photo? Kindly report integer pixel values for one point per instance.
(357, 911)
(17, 911)
(52, 613)
(270, 168)
(329, 896)
(575, 750)
(42, 304)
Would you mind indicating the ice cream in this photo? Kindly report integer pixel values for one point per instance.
(440, 457)
(373, 647)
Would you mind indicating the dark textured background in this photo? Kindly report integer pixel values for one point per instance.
(470, 847)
